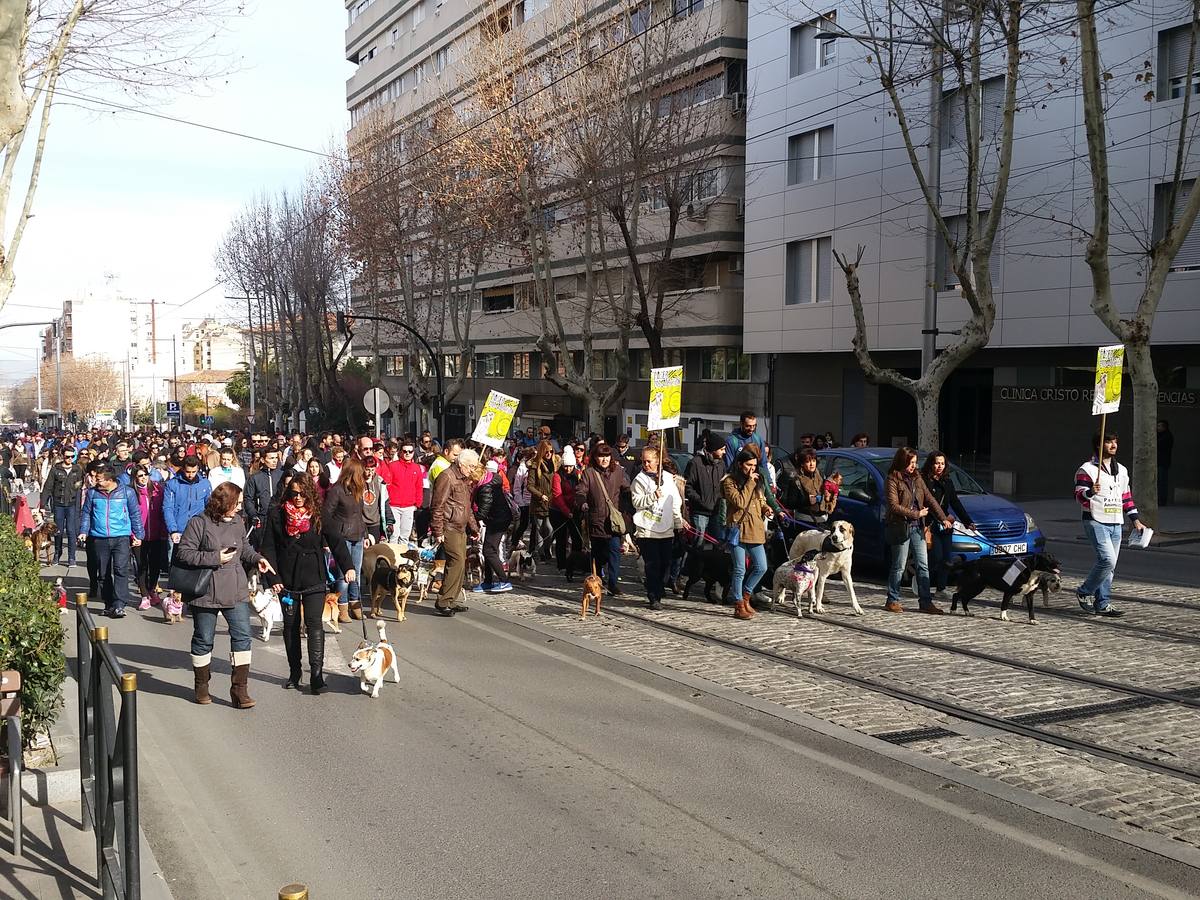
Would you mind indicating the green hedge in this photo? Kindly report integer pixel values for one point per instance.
(31, 633)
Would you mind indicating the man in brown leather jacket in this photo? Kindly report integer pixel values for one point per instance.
(453, 520)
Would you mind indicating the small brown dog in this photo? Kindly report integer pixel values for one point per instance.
(593, 589)
(329, 613)
(390, 582)
(172, 607)
(42, 540)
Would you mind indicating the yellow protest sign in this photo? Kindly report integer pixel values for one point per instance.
(495, 421)
(1107, 397)
(666, 398)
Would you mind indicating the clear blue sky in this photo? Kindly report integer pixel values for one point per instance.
(147, 201)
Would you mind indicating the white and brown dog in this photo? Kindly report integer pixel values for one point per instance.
(266, 604)
(371, 662)
(835, 555)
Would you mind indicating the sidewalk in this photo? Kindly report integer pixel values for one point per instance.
(1179, 526)
(60, 854)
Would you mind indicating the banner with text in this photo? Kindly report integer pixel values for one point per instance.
(1107, 396)
(495, 420)
(666, 398)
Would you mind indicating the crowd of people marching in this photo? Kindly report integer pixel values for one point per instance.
(298, 511)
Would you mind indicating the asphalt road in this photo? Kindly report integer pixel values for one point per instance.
(509, 764)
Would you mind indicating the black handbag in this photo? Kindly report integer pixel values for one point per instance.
(895, 533)
(190, 581)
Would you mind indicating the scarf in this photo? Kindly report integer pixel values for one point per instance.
(297, 521)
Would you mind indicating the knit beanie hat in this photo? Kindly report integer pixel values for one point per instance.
(713, 442)
(568, 456)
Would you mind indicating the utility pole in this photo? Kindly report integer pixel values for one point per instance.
(58, 367)
(39, 376)
(126, 384)
(175, 374)
(929, 329)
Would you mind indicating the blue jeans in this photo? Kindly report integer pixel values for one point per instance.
(352, 590)
(745, 582)
(915, 542)
(204, 627)
(939, 556)
(1106, 542)
(606, 553)
(66, 520)
(112, 561)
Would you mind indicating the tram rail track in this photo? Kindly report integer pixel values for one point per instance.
(1027, 725)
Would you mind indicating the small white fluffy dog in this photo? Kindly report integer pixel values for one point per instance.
(835, 554)
(266, 604)
(371, 662)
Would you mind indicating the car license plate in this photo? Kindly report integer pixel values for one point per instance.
(1011, 548)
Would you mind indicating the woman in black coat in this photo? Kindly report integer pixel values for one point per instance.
(294, 544)
(936, 473)
(493, 510)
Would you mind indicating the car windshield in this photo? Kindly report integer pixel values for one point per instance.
(963, 483)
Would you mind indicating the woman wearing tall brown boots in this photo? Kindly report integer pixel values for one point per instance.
(216, 539)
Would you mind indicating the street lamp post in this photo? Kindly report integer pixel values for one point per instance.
(929, 329)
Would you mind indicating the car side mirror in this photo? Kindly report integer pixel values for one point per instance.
(859, 494)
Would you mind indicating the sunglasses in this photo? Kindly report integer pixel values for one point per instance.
(294, 494)
(408, 450)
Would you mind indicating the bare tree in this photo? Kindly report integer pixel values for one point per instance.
(142, 46)
(89, 384)
(903, 41)
(1178, 205)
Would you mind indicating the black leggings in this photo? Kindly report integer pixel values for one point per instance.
(493, 566)
(565, 530)
(313, 604)
(152, 562)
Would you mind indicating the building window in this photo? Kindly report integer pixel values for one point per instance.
(947, 278)
(497, 300)
(672, 356)
(723, 364)
(451, 364)
(534, 7)
(491, 365)
(809, 54)
(1188, 256)
(991, 112)
(604, 364)
(808, 271)
(521, 366)
(418, 14)
(441, 59)
(1174, 78)
(688, 7)
(639, 18)
(394, 365)
(810, 156)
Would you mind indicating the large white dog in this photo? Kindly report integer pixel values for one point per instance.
(834, 557)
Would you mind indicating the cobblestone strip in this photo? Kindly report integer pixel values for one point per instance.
(1132, 796)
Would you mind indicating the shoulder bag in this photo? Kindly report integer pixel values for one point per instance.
(190, 581)
(616, 521)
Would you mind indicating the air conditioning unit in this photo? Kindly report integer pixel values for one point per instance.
(741, 207)
(735, 264)
(738, 99)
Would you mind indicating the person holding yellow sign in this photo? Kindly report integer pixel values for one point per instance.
(658, 514)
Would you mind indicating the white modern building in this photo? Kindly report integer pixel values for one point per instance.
(827, 169)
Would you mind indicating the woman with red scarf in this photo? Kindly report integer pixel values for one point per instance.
(294, 544)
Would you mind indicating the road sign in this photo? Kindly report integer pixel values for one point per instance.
(376, 400)
(174, 412)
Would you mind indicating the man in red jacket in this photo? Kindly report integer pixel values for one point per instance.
(405, 479)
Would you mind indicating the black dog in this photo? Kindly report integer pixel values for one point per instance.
(712, 564)
(1012, 576)
(578, 561)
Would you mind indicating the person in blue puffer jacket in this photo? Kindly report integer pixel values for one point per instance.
(184, 496)
(111, 524)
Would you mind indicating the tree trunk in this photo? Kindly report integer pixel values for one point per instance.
(1144, 474)
(928, 434)
(595, 414)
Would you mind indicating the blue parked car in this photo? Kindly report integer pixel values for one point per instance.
(1007, 528)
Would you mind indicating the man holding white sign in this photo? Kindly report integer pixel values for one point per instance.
(1102, 489)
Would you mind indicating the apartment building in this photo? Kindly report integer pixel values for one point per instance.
(826, 169)
(410, 56)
